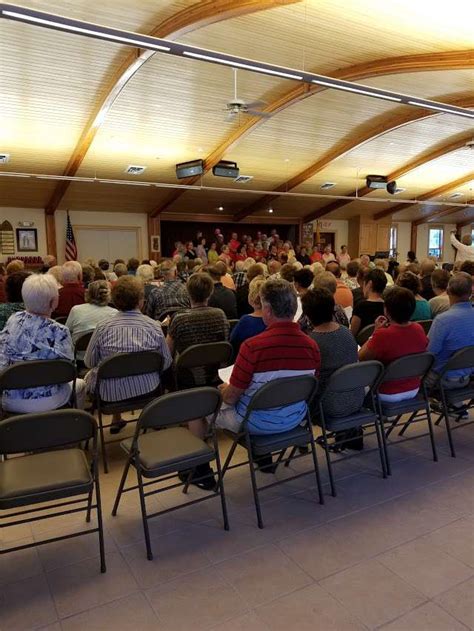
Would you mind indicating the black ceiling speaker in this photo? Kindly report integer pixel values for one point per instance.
(188, 169)
(225, 168)
(376, 181)
(392, 187)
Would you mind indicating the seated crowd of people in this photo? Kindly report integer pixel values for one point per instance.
(264, 296)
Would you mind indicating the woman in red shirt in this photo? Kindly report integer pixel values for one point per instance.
(395, 336)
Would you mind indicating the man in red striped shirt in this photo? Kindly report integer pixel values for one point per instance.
(282, 350)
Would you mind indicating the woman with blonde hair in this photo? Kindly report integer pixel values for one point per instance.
(84, 318)
(249, 324)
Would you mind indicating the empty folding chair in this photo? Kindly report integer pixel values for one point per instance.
(276, 394)
(360, 375)
(448, 398)
(37, 374)
(159, 455)
(365, 334)
(50, 471)
(121, 366)
(409, 367)
(198, 365)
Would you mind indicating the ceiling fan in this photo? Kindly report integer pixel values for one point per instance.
(237, 106)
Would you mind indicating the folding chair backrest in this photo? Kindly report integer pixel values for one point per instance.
(284, 391)
(464, 358)
(364, 334)
(180, 407)
(200, 355)
(35, 374)
(169, 312)
(61, 319)
(130, 364)
(409, 366)
(48, 430)
(232, 324)
(352, 376)
(83, 342)
(426, 324)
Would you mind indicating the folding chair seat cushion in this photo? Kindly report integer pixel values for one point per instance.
(266, 443)
(460, 394)
(112, 407)
(43, 477)
(403, 407)
(169, 450)
(362, 417)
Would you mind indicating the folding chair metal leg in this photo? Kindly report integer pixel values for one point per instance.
(89, 504)
(328, 461)
(316, 467)
(392, 426)
(100, 525)
(188, 481)
(383, 450)
(254, 486)
(448, 426)
(430, 428)
(407, 424)
(102, 444)
(220, 483)
(149, 553)
(121, 485)
(229, 457)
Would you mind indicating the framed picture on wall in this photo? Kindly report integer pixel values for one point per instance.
(155, 243)
(27, 240)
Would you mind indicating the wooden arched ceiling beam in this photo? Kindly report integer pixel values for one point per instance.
(436, 192)
(451, 60)
(190, 19)
(423, 158)
(440, 212)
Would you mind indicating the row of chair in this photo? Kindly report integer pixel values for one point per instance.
(367, 332)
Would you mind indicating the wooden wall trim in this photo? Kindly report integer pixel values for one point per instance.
(449, 60)
(185, 21)
(51, 245)
(218, 219)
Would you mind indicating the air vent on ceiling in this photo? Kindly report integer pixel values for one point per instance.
(327, 185)
(133, 169)
(242, 179)
(399, 190)
(455, 196)
(4, 158)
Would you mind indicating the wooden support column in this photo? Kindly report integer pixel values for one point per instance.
(50, 221)
(414, 234)
(154, 230)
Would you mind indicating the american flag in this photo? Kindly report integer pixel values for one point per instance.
(71, 248)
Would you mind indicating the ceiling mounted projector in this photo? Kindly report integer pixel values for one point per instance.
(225, 168)
(189, 169)
(381, 181)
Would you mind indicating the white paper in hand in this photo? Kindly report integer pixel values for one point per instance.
(225, 373)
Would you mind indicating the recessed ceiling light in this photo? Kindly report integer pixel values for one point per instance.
(134, 169)
(287, 159)
(270, 210)
(4, 158)
(399, 190)
(221, 208)
(327, 185)
(455, 196)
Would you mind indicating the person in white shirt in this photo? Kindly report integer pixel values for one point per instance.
(328, 255)
(344, 257)
(465, 249)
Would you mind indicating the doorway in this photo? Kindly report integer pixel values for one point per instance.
(327, 238)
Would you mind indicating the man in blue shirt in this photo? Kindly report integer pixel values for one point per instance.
(453, 330)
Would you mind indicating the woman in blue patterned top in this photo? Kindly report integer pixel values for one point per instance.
(31, 335)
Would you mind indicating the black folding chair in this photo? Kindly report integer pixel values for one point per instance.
(448, 398)
(170, 311)
(61, 319)
(360, 375)
(426, 324)
(54, 468)
(232, 324)
(408, 367)
(80, 346)
(272, 395)
(120, 366)
(37, 374)
(198, 365)
(160, 455)
(365, 334)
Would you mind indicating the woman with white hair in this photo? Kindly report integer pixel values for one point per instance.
(31, 335)
(147, 275)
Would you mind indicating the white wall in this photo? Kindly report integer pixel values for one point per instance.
(111, 220)
(404, 239)
(14, 215)
(339, 226)
(422, 242)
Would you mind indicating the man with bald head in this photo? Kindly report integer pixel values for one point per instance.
(465, 249)
(453, 330)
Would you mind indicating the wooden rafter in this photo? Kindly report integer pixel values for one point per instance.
(190, 19)
(451, 60)
(439, 212)
(418, 161)
(436, 192)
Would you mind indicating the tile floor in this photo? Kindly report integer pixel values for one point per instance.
(395, 554)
